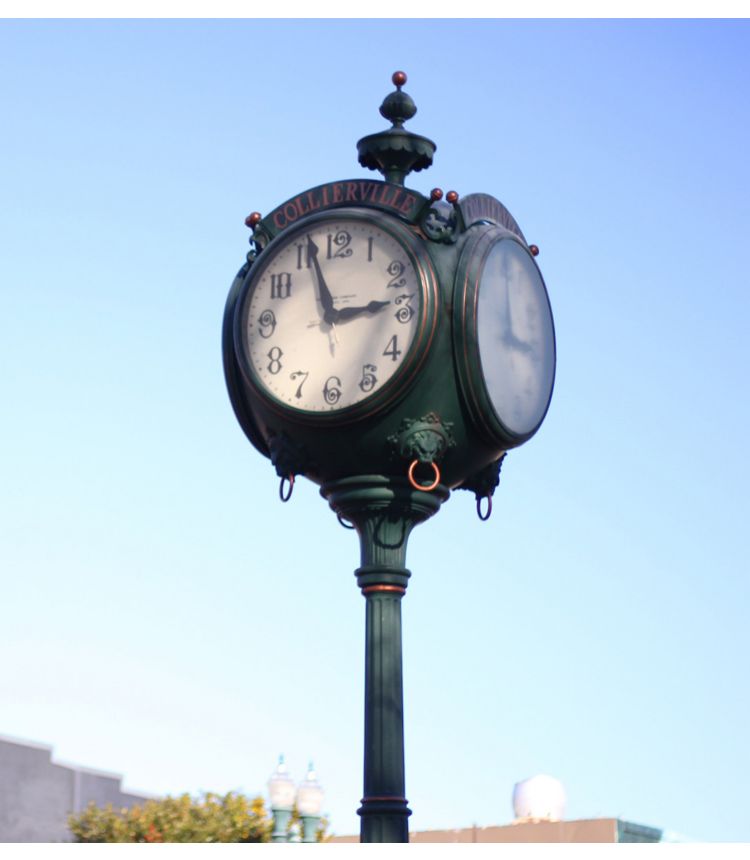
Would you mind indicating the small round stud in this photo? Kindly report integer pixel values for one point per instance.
(534, 250)
(253, 219)
(399, 79)
(452, 196)
(436, 194)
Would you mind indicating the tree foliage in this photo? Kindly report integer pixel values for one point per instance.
(210, 818)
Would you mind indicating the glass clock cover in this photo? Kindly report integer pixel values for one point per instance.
(515, 337)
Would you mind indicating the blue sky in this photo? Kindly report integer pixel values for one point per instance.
(165, 616)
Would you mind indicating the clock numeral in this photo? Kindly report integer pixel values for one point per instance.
(392, 349)
(303, 256)
(331, 390)
(370, 240)
(369, 380)
(341, 240)
(396, 270)
(406, 312)
(274, 355)
(267, 323)
(281, 285)
(296, 375)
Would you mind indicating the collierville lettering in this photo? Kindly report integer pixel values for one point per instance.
(379, 194)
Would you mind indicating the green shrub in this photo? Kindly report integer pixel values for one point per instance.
(210, 818)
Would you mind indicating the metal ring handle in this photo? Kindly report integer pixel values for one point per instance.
(344, 523)
(426, 488)
(488, 514)
(288, 495)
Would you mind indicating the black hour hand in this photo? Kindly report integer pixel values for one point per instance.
(349, 312)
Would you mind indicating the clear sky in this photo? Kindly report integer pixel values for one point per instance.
(166, 617)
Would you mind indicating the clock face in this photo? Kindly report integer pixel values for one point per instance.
(331, 313)
(515, 337)
(508, 336)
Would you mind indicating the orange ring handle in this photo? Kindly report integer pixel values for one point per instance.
(426, 488)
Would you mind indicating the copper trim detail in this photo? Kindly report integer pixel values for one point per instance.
(386, 798)
(370, 589)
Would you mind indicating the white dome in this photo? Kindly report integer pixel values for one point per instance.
(540, 798)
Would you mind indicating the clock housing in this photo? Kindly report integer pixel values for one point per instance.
(504, 337)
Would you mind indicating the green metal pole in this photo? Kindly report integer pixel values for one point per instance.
(280, 823)
(384, 511)
(309, 827)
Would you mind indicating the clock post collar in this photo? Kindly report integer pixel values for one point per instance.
(396, 152)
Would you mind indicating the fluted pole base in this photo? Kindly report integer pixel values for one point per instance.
(384, 511)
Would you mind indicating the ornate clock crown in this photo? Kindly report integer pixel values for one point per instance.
(395, 152)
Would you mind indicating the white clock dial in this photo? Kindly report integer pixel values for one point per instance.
(515, 337)
(331, 314)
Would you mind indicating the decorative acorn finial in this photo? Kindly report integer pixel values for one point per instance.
(399, 106)
(396, 152)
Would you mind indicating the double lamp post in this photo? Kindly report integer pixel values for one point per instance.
(283, 794)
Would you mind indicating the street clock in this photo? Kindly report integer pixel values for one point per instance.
(376, 330)
(391, 347)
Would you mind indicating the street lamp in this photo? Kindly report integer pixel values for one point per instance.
(282, 793)
(309, 804)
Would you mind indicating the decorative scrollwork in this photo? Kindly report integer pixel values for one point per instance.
(369, 380)
(332, 390)
(483, 484)
(342, 240)
(396, 269)
(288, 457)
(267, 323)
(406, 312)
(426, 438)
(440, 223)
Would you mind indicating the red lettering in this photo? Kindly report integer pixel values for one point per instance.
(299, 206)
(409, 201)
(277, 219)
(384, 196)
(351, 192)
(325, 195)
(312, 202)
(293, 216)
(338, 193)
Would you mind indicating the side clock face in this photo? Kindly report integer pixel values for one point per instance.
(505, 336)
(336, 314)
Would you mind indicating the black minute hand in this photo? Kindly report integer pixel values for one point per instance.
(371, 308)
(330, 314)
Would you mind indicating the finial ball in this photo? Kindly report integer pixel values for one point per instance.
(252, 219)
(534, 250)
(436, 194)
(452, 197)
(399, 78)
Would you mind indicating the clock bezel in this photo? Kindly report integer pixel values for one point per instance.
(401, 380)
(467, 283)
